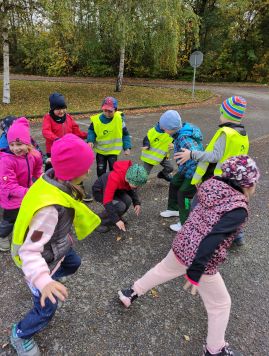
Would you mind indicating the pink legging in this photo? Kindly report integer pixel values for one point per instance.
(211, 288)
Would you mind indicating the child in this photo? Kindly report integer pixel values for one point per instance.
(116, 190)
(230, 139)
(201, 245)
(56, 124)
(108, 134)
(5, 125)
(181, 191)
(155, 151)
(42, 241)
(20, 163)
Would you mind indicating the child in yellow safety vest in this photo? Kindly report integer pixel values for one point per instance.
(108, 135)
(42, 241)
(230, 140)
(155, 150)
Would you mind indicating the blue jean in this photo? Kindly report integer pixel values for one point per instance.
(38, 318)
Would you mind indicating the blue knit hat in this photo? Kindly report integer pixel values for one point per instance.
(233, 108)
(57, 101)
(170, 120)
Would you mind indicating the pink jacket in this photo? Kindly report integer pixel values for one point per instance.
(16, 174)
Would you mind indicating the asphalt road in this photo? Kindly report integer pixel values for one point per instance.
(168, 321)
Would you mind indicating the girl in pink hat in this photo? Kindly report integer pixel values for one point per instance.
(42, 239)
(19, 164)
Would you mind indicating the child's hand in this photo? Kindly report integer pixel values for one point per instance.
(145, 148)
(137, 209)
(48, 160)
(183, 156)
(90, 144)
(127, 152)
(188, 285)
(52, 290)
(121, 225)
(171, 146)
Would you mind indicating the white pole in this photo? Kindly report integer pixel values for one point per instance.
(194, 72)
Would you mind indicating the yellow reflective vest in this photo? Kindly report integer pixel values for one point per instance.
(42, 194)
(236, 145)
(108, 136)
(159, 147)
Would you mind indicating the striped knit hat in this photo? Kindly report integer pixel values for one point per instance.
(233, 108)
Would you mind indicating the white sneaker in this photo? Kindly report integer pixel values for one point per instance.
(169, 213)
(176, 227)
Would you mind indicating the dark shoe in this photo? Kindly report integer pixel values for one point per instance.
(87, 197)
(239, 240)
(164, 176)
(225, 351)
(102, 228)
(127, 296)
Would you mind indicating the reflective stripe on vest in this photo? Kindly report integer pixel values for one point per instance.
(236, 144)
(108, 136)
(42, 194)
(159, 147)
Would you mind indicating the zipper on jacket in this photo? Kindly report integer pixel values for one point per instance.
(28, 183)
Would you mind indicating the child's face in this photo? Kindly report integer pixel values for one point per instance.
(18, 148)
(109, 113)
(59, 112)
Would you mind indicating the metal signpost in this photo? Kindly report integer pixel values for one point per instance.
(196, 59)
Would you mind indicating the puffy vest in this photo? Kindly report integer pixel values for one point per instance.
(108, 136)
(43, 194)
(236, 145)
(159, 147)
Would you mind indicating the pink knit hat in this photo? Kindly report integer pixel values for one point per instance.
(71, 157)
(19, 131)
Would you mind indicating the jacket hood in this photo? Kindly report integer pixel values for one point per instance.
(214, 192)
(191, 131)
(121, 167)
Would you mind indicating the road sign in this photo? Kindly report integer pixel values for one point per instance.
(196, 59)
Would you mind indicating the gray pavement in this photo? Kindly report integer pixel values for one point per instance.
(92, 322)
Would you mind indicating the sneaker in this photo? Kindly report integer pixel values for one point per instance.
(225, 351)
(24, 347)
(164, 176)
(62, 279)
(239, 240)
(127, 296)
(102, 228)
(4, 244)
(87, 198)
(176, 227)
(169, 213)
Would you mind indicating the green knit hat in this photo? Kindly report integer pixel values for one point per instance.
(137, 175)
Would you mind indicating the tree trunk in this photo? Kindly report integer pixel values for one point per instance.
(6, 83)
(121, 70)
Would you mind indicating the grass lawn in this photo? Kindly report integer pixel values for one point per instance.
(31, 97)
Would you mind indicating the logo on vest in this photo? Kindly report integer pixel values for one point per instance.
(242, 148)
(105, 132)
(156, 140)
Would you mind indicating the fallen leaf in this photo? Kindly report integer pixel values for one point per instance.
(118, 238)
(186, 337)
(163, 223)
(155, 198)
(154, 293)
(4, 345)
